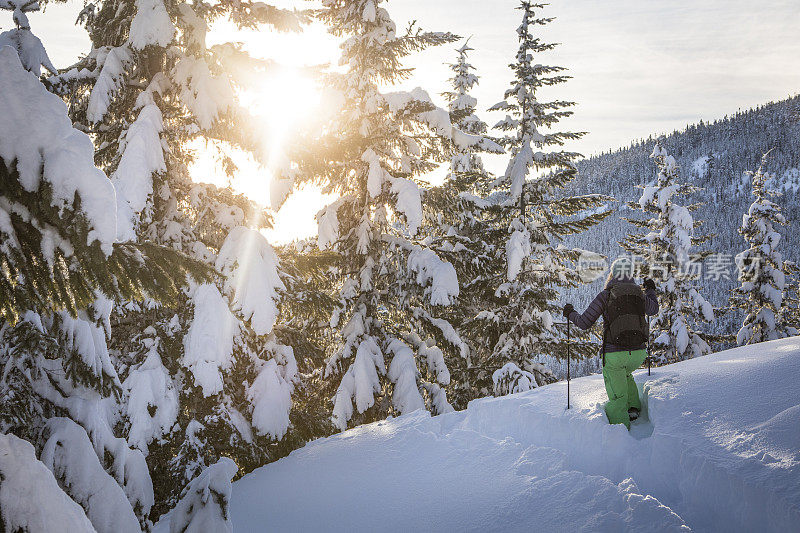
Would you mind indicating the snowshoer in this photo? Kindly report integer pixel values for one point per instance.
(623, 306)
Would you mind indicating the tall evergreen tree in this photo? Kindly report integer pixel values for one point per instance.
(62, 270)
(389, 338)
(666, 252)
(210, 375)
(458, 230)
(529, 215)
(764, 293)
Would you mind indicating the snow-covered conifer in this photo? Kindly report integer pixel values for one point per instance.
(213, 362)
(666, 251)
(524, 219)
(763, 294)
(457, 228)
(63, 268)
(391, 337)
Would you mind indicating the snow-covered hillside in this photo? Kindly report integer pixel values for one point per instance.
(721, 452)
(713, 156)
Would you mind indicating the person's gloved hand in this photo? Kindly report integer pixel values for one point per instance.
(568, 309)
(649, 284)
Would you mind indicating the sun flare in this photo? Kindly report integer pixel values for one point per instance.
(285, 101)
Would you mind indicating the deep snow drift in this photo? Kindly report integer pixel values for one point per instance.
(721, 452)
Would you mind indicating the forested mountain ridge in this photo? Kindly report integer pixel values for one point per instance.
(714, 156)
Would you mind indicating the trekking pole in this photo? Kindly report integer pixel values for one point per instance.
(648, 349)
(568, 345)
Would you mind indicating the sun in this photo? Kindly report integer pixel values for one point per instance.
(283, 102)
(286, 101)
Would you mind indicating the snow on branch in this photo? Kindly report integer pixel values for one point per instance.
(45, 147)
(208, 345)
(284, 20)
(448, 331)
(205, 95)
(151, 25)
(68, 453)
(83, 336)
(30, 498)
(205, 505)
(418, 103)
(252, 279)
(30, 50)
(518, 247)
(437, 276)
(510, 379)
(403, 373)
(376, 175)
(111, 66)
(271, 396)
(360, 382)
(328, 223)
(409, 202)
(142, 156)
(152, 400)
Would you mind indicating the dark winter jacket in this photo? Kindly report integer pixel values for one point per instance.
(599, 307)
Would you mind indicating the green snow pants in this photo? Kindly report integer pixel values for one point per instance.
(621, 389)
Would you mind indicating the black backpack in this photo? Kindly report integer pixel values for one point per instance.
(625, 322)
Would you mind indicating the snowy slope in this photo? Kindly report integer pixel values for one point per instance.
(721, 453)
(713, 156)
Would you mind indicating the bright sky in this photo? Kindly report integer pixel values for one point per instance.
(639, 66)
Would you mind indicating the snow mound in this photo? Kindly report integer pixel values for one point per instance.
(724, 455)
